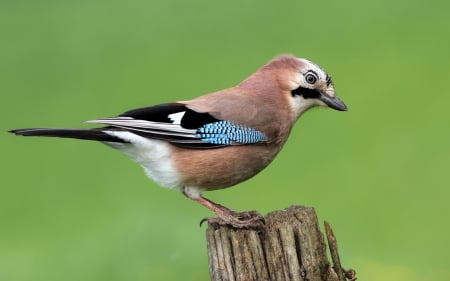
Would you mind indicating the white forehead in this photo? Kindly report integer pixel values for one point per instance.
(311, 66)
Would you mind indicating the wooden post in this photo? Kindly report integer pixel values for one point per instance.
(289, 246)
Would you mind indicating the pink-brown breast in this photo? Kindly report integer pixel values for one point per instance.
(211, 169)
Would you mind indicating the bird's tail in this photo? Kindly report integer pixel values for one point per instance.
(84, 134)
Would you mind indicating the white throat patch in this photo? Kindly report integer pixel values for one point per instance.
(299, 104)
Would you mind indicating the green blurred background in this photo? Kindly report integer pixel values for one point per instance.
(74, 210)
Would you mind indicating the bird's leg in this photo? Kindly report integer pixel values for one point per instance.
(248, 219)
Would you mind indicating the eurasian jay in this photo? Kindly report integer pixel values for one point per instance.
(216, 140)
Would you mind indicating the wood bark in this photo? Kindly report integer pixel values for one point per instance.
(289, 246)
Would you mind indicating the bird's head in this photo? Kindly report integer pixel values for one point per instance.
(307, 84)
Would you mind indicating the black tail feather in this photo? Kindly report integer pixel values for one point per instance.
(84, 134)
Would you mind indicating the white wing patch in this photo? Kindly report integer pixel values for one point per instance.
(176, 117)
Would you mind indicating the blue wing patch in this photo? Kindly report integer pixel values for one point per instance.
(227, 133)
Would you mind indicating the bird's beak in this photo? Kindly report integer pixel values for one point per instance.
(333, 102)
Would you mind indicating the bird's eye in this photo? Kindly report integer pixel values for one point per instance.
(310, 78)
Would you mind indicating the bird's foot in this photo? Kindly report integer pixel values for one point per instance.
(225, 216)
(248, 219)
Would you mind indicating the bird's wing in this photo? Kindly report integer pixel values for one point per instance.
(181, 126)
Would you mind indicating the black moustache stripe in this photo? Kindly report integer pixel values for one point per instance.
(306, 93)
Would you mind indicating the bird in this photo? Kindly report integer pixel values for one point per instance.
(216, 140)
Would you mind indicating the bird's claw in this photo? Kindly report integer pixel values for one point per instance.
(249, 219)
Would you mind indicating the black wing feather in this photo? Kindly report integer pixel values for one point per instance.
(195, 120)
(156, 113)
(191, 120)
(161, 112)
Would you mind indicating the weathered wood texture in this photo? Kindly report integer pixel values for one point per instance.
(289, 246)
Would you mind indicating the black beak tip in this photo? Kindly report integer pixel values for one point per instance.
(343, 107)
(335, 103)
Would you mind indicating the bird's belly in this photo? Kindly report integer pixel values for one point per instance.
(211, 169)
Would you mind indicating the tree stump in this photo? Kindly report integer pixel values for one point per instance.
(289, 246)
